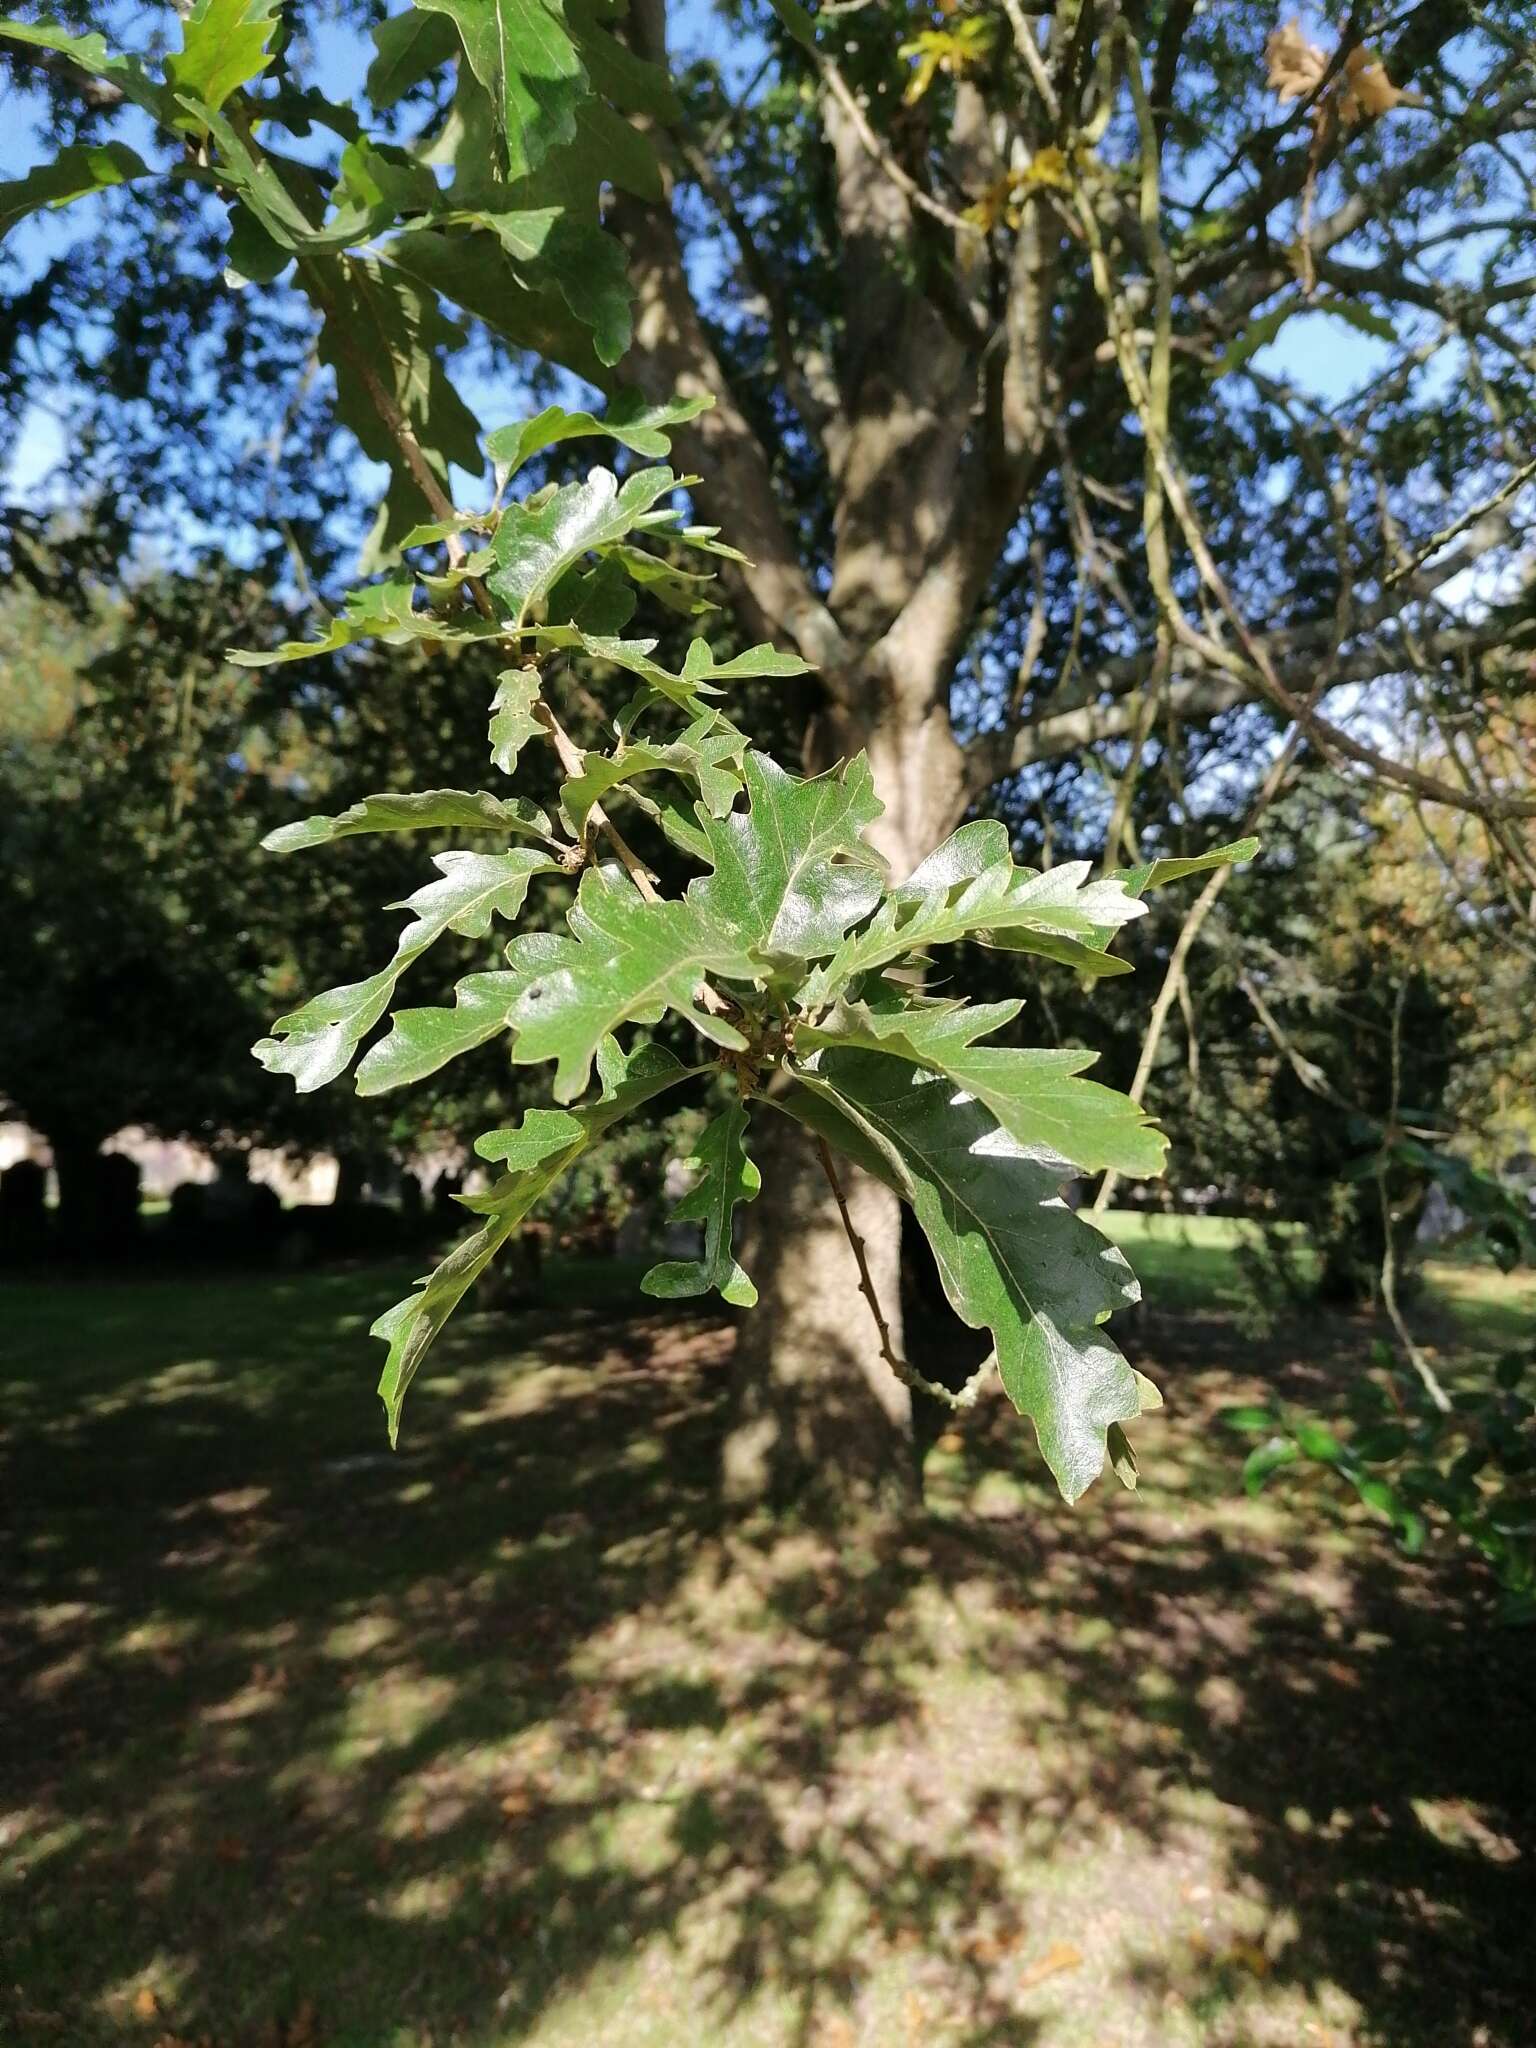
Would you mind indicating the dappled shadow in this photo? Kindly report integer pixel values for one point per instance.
(509, 1738)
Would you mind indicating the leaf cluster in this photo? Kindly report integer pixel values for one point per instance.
(1469, 1466)
(792, 956)
(497, 210)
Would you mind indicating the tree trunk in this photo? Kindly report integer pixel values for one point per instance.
(818, 1416)
(83, 1224)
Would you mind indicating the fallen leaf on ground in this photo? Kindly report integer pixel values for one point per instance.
(1061, 1955)
(1252, 1958)
(145, 2004)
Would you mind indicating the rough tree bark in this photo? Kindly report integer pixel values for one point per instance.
(958, 382)
(816, 1404)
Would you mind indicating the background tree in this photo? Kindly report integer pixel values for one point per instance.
(987, 303)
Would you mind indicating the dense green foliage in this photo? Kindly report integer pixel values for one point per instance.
(787, 945)
(777, 957)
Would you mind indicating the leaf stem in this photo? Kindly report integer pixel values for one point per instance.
(908, 1374)
(1416, 1358)
(571, 761)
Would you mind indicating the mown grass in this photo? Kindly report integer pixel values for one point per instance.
(511, 1739)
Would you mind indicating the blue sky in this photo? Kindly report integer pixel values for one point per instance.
(1320, 355)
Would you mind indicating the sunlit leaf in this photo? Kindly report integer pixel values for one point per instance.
(224, 45)
(1013, 1258)
(625, 960)
(315, 1043)
(727, 1178)
(420, 810)
(1035, 1095)
(535, 1155)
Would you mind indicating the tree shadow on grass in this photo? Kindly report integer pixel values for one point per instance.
(511, 1738)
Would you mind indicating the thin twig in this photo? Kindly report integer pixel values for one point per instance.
(442, 508)
(1178, 960)
(1507, 489)
(908, 1374)
(1029, 51)
(1252, 663)
(896, 172)
(1416, 1358)
(573, 762)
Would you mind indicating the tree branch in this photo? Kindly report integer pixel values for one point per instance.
(909, 1374)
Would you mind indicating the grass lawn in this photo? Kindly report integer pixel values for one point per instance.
(507, 1739)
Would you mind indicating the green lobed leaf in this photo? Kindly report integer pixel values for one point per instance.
(224, 45)
(629, 420)
(550, 245)
(431, 531)
(596, 599)
(535, 1153)
(632, 84)
(1265, 1459)
(380, 332)
(684, 591)
(626, 154)
(970, 888)
(523, 54)
(376, 182)
(408, 48)
(281, 193)
(471, 269)
(535, 544)
(316, 1042)
(1034, 1095)
(625, 960)
(701, 673)
(1013, 1258)
(251, 255)
(421, 1041)
(90, 53)
(378, 611)
(421, 810)
(793, 871)
(704, 754)
(1316, 1440)
(727, 1178)
(512, 721)
(75, 173)
(1155, 874)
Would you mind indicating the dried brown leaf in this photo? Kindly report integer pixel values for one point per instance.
(1296, 67)
(1367, 89)
(1061, 1955)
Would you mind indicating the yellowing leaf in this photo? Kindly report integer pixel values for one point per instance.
(1046, 169)
(1047, 166)
(946, 49)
